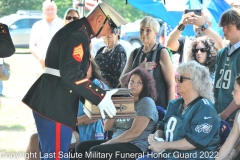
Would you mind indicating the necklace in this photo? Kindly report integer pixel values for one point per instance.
(182, 110)
(142, 53)
(151, 48)
(108, 48)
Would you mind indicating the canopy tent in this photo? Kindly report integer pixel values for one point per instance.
(172, 11)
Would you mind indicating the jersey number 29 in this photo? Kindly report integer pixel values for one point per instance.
(226, 76)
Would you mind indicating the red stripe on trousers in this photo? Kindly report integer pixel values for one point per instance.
(58, 139)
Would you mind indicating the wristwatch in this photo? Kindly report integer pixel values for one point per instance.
(204, 26)
(181, 27)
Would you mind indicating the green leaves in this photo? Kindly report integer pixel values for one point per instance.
(12, 6)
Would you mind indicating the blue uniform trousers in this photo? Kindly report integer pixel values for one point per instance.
(54, 138)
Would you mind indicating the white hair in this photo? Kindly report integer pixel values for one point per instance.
(47, 3)
(200, 78)
(148, 21)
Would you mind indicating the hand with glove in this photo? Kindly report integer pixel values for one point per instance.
(107, 105)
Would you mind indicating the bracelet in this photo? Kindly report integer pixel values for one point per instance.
(229, 157)
(180, 27)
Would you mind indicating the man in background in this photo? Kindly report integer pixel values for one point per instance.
(42, 33)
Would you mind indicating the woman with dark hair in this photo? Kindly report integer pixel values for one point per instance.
(70, 15)
(148, 81)
(204, 50)
(129, 134)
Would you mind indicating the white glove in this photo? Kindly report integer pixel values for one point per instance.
(107, 105)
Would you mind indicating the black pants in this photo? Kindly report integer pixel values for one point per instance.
(93, 150)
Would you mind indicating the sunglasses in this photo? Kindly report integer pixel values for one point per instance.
(69, 18)
(199, 49)
(180, 79)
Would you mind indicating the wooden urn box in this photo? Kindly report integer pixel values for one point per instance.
(123, 102)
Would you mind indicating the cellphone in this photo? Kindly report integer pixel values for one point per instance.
(195, 11)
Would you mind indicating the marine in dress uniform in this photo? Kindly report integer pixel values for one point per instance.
(6, 45)
(54, 97)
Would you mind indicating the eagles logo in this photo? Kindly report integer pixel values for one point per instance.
(78, 53)
(205, 128)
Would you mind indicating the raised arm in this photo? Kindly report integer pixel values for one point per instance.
(200, 21)
(172, 41)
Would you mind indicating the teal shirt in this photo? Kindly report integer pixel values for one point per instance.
(227, 69)
(199, 125)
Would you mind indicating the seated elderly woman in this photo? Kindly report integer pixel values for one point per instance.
(190, 127)
(204, 50)
(154, 58)
(129, 134)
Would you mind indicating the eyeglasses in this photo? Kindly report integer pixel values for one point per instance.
(135, 83)
(180, 79)
(69, 18)
(199, 49)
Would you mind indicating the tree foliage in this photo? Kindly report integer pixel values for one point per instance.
(12, 6)
(126, 10)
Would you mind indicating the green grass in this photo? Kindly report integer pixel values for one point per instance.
(14, 127)
(22, 51)
(16, 120)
